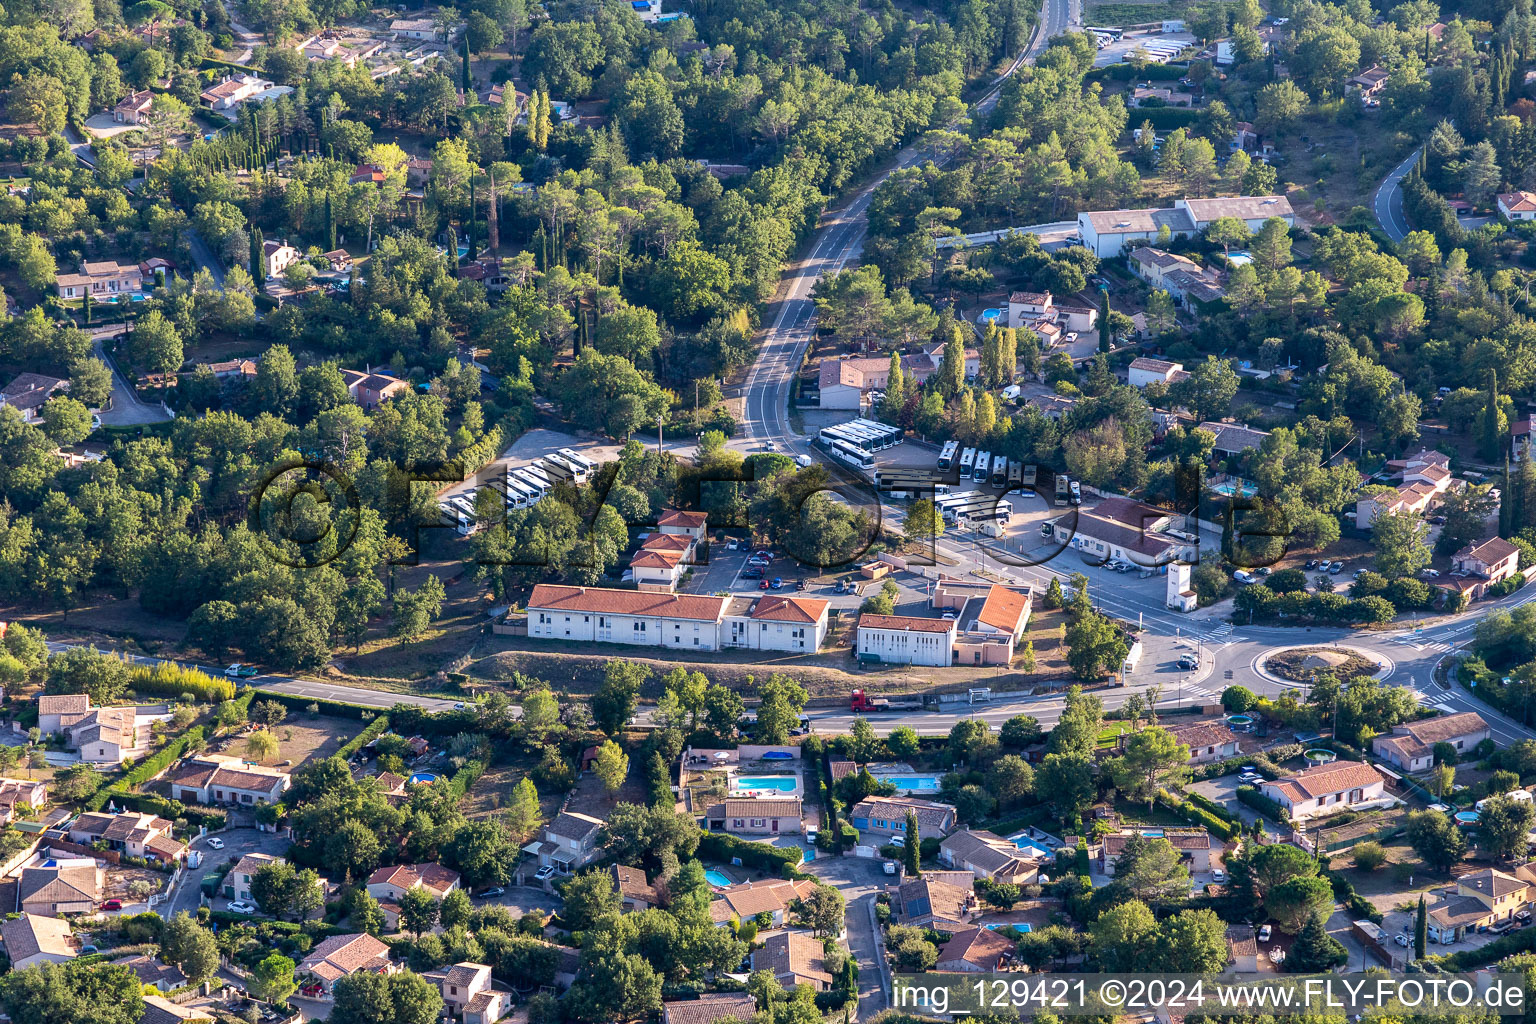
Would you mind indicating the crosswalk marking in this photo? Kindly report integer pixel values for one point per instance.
(1421, 645)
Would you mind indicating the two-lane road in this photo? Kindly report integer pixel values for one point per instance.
(1388, 202)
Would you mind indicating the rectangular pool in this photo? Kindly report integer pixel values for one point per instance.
(1023, 842)
(765, 783)
(908, 783)
(717, 878)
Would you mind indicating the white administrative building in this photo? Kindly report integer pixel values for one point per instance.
(1108, 232)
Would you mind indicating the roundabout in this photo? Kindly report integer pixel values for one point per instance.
(1297, 666)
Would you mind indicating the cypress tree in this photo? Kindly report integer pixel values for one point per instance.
(464, 78)
(1489, 434)
(895, 392)
(258, 257)
(1103, 320)
(1421, 929)
(912, 852)
(330, 224)
(86, 306)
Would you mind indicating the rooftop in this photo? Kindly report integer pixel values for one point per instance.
(596, 600)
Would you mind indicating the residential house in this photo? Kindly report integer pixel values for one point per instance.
(975, 950)
(149, 971)
(1188, 283)
(341, 956)
(771, 896)
(1482, 899)
(677, 523)
(1233, 439)
(233, 91)
(906, 639)
(133, 108)
(755, 815)
(1123, 529)
(1052, 407)
(989, 856)
(1414, 498)
(160, 1010)
(990, 625)
(28, 392)
(1194, 845)
(392, 883)
(710, 1008)
(1476, 567)
(232, 369)
(944, 904)
(17, 796)
(1145, 370)
(237, 884)
(887, 816)
(224, 779)
(569, 843)
(775, 623)
(100, 735)
(280, 256)
(658, 568)
(422, 29)
(468, 993)
(846, 383)
(1207, 741)
(339, 259)
(371, 390)
(1327, 788)
(586, 614)
(101, 279)
(33, 939)
(69, 886)
(1024, 307)
(1243, 948)
(1411, 747)
(131, 832)
(1368, 83)
(1108, 232)
(794, 958)
(1519, 205)
(1427, 467)
(635, 893)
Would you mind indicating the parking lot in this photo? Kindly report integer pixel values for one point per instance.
(1159, 48)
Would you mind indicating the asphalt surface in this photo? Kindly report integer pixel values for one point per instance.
(1388, 202)
(297, 687)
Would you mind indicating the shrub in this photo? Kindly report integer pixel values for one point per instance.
(1201, 800)
(722, 847)
(167, 679)
(371, 731)
(1369, 856)
(1263, 804)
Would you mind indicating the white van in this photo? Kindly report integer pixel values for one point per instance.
(1011, 392)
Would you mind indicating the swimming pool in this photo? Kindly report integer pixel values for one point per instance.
(421, 778)
(764, 783)
(908, 783)
(1231, 489)
(1151, 833)
(717, 878)
(1024, 928)
(1023, 842)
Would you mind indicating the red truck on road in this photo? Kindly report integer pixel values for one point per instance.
(863, 702)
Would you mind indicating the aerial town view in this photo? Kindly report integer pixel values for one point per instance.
(709, 511)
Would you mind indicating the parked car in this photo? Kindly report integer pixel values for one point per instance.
(1311, 564)
(1250, 780)
(545, 873)
(1429, 574)
(799, 584)
(493, 892)
(215, 843)
(777, 584)
(1265, 932)
(112, 905)
(238, 907)
(1400, 939)
(1218, 876)
(1188, 661)
(1335, 568)
(890, 867)
(763, 585)
(899, 841)
(1262, 570)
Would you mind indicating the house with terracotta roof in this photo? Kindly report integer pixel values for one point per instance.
(846, 383)
(1179, 276)
(884, 816)
(975, 950)
(770, 896)
(1193, 845)
(341, 956)
(568, 844)
(225, 779)
(27, 393)
(1482, 899)
(102, 279)
(944, 904)
(755, 815)
(133, 108)
(371, 390)
(710, 1008)
(1519, 205)
(635, 892)
(233, 91)
(149, 971)
(1243, 948)
(131, 832)
(469, 993)
(658, 569)
(1328, 788)
(1207, 741)
(1411, 747)
(1145, 370)
(100, 735)
(1123, 529)
(33, 939)
(990, 856)
(680, 523)
(775, 622)
(1476, 567)
(280, 256)
(1027, 307)
(906, 639)
(794, 958)
(237, 884)
(990, 626)
(1369, 82)
(393, 882)
(587, 614)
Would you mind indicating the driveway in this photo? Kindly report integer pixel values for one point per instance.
(126, 408)
(858, 879)
(237, 843)
(520, 899)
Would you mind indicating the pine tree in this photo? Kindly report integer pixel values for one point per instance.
(1421, 929)
(1490, 436)
(1314, 950)
(912, 852)
(895, 391)
(1104, 320)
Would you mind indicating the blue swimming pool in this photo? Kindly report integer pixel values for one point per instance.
(906, 782)
(421, 778)
(1152, 833)
(717, 878)
(764, 783)
(1024, 928)
(1023, 842)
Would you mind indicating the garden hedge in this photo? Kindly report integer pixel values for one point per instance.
(722, 847)
(1264, 805)
(167, 679)
(372, 731)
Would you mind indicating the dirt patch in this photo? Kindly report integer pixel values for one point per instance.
(493, 790)
(301, 738)
(120, 884)
(1304, 663)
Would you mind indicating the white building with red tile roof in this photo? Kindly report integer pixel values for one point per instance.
(775, 622)
(1411, 747)
(681, 523)
(393, 882)
(341, 956)
(1519, 205)
(1329, 788)
(906, 639)
(225, 779)
(588, 614)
